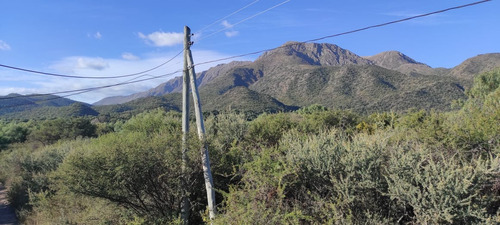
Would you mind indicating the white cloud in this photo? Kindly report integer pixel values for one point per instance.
(129, 56)
(231, 33)
(162, 39)
(226, 24)
(98, 35)
(91, 63)
(4, 46)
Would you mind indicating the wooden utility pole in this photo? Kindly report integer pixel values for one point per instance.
(207, 172)
(185, 205)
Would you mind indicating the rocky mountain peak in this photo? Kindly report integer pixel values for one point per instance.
(321, 54)
(392, 59)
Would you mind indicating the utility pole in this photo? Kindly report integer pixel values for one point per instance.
(207, 172)
(185, 205)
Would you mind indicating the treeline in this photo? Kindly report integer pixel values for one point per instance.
(312, 166)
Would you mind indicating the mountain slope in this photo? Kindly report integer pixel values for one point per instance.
(42, 107)
(16, 103)
(174, 85)
(476, 65)
(400, 62)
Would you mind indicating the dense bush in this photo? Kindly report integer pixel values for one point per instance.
(313, 166)
(12, 133)
(50, 131)
(138, 168)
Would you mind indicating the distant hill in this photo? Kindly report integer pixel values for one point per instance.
(16, 106)
(476, 65)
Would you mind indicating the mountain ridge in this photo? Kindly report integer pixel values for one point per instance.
(294, 55)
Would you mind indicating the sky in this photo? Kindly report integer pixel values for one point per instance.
(117, 37)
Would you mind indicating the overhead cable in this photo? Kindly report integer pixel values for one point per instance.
(83, 90)
(90, 77)
(225, 17)
(243, 20)
(347, 32)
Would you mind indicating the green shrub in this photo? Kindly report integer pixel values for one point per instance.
(267, 129)
(475, 128)
(138, 168)
(434, 188)
(153, 122)
(50, 131)
(28, 171)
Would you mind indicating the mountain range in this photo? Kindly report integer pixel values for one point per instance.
(300, 74)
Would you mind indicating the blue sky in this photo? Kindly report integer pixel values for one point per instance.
(114, 37)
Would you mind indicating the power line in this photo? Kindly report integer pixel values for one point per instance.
(248, 18)
(347, 32)
(225, 17)
(83, 90)
(89, 77)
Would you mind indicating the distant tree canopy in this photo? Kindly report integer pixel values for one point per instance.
(50, 131)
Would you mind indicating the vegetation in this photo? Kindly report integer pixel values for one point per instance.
(312, 166)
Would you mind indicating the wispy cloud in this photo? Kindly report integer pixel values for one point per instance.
(231, 33)
(129, 56)
(226, 24)
(4, 46)
(78, 64)
(163, 39)
(96, 35)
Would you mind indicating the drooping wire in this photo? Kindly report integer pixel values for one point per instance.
(90, 77)
(243, 20)
(83, 90)
(344, 33)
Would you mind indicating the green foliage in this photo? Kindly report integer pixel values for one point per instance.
(225, 134)
(28, 171)
(434, 188)
(12, 132)
(485, 84)
(51, 131)
(137, 168)
(315, 108)
(261, 199)
(321, 120)
(129, 169)
(475, 128)
(267, 129)
(156, 121)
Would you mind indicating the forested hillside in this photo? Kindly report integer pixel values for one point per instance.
(315, 165)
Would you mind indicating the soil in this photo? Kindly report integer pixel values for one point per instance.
(7, 214)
